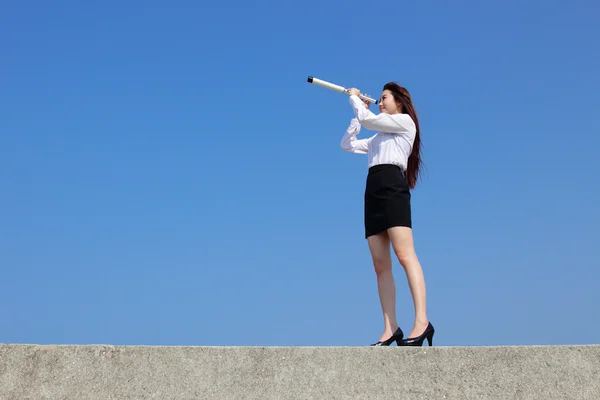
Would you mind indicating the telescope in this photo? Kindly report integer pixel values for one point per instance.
(337, 88)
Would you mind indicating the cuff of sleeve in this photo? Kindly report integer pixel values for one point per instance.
(357, 104)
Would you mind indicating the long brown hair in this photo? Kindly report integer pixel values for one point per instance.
(402, 97)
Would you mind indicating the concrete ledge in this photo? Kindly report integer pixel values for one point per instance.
(33, 372)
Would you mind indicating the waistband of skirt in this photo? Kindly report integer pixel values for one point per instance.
(383, 167)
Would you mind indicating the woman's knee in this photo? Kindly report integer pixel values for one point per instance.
(403, 244)
(405, 254)
(382, 265)
(380, 253)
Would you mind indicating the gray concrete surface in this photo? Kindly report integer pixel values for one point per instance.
(34, 372)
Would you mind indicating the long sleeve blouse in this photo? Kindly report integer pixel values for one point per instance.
(392, 142)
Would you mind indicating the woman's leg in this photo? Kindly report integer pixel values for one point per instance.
(403, 245)
(379, 245)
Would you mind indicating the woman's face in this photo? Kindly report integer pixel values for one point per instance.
(387, 103)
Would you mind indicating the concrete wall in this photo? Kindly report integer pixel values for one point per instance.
(32, 372)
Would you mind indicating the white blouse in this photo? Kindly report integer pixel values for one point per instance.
(392, 144)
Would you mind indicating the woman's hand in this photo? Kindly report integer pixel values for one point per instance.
(355, 91)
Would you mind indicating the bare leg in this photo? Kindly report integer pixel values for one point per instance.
(403, 245)
(379, 245)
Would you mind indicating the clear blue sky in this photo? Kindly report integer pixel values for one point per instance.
(169, 177)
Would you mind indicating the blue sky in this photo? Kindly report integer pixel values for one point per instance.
(169, 177)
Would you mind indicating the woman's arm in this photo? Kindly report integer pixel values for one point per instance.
(388, 123)
(349, 141)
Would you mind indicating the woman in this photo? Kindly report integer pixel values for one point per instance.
(394, 161)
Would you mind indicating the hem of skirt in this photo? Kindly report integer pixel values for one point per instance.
(375, 232)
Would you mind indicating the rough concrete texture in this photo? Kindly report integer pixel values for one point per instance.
(33, 372)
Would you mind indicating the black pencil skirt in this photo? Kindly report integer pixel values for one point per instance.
(387, 199)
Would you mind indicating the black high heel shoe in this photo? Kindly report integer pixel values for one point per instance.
(396, 337)
(418, 341)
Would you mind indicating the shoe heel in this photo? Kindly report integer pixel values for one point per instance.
(418, 341)
(430, 339)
